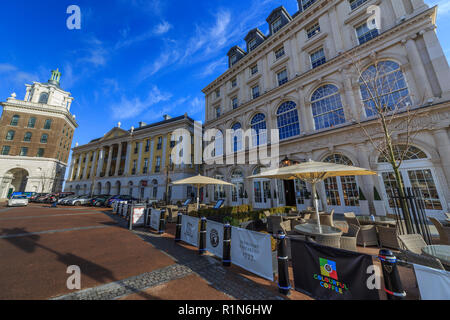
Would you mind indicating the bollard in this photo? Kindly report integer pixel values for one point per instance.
(226, 259)
(178, 230)
(202, 240)
(162, 222)
(284, 286)
(392, 282)
(130, 221)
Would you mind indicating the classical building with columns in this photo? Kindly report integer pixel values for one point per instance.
(134, 162)
(301, 80)
(35, 139)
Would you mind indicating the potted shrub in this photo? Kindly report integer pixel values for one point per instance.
(363, 204)
(378, 203)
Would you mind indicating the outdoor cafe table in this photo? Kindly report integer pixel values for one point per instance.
(441, 252)
(364, 220)
(312, 230)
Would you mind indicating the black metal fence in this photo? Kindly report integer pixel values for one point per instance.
(409, 209)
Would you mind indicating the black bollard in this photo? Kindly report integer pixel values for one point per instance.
(392, 282)
(284, 285)
(178, 230)
(202, 240)
(130, 219)
(162, 222)
(226, 259)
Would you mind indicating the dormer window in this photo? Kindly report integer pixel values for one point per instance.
(279, 53)
(277, 25)
(252, 44)
(313, 30)
(233, 59)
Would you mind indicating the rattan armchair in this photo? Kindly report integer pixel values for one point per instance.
(348, 240)
(388, 237)
(328, 240)
(273, 224)
(412, 242)
(413, 258)
(367, 235)
(327, 219)
(444, 232)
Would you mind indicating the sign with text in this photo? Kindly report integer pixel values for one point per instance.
(252, 251)
(189, 230)
(138, 216)
(154, 219)
(214, 238)
(327, 273)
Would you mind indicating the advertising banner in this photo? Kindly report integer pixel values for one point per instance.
(326, 273)
(189, 230)
(433, 284)
(154, 219)
(214, 238)
(138, 216)
(252, 251)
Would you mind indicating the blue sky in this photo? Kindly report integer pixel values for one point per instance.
(133, 60)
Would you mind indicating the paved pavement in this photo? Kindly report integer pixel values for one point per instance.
(39, 243)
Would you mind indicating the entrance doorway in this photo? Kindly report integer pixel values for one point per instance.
(289, 193)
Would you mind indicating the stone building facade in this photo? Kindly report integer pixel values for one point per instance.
(301, 79)
(36, 136)
(134, 162)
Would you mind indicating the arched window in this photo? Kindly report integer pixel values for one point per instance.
(327, 107)
(27, 137)
(218, 144)
(341, 191)
(237, 137)
(259, 130)
(31, 122)
(44, 138)
(287, 119)
(48, 124)
(10, 135)
(405, 153)
(43, 98)
(383, 87)
(15, 120)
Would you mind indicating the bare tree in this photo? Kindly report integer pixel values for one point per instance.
(389, 114)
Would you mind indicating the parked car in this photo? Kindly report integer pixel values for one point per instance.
(111, 200)
(78, 201)
(37, 196)
(18, 201)
(99, 201)
(62, 201)
(43, 199)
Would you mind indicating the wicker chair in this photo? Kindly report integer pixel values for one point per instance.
(329, 241)
(444, 232)
(388, 237)
(412, 242)
(411, 257)
(273, 224)
(348, 240)
(367, 235)
(286, 226)
(296, 222)
(327, 219)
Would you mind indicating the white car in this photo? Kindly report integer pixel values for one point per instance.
(18, 201)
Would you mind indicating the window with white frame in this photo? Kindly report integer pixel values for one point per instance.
(259, 129)
(282, 77)
(279, 53)
(287, 120)
(233, 59)
(252, 44)
(313, 30)
(218, 112)
(318, 58)
(255, 92)
(327, 107)
(277, 25)
(254, 69)
(234, 103)
(305, 4)
(354, 4)
(234, 83)
(237, 137)
(365, 34)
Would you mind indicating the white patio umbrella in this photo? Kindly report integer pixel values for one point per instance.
(199, 182)
(313, 173)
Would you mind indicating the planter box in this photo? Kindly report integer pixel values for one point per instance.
(380, 208)
(364, 208)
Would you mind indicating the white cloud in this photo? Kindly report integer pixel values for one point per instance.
(162, 28)
(15, 77)
(131, 108)
(210, 68)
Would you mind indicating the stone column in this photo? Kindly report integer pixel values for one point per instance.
(418, 4)
(138, 169)
(438, 59)
(442, 142)
(108, 166)
(85, 167)
(418, 69)
(352, 109)
(119, 159)
(79, 168)
(72, 167)
(100, 162)
(127, 159)
(93, 164)
(367, 181)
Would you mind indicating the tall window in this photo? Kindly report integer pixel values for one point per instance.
(145, 170)
(15, 120)
(218, 143)
(23, 151)
(233, 59)
(254, 69)
(158, 164)
(356, 3)
(32, 122)
(313, 30)
(259, 129)
(43, 98)
(282, 77)
(147, 146)
(10, 135)
(252, 44)
(277, 25)
(383, 86)
(159, 146)
(305, 4)
(44, 139)
(237, 137)
(40, 153)
(327, 107)
(5, 150)
(218, 112)
(287, 120)
(365, 34)
(234, 103)
(279, 53)
(48, 124)
(27, 137)
(318, 58)
(255, 92)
